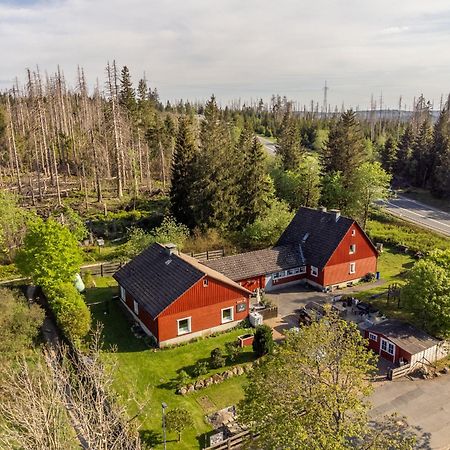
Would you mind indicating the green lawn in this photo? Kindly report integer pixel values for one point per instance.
(392, 265)
(149, 375)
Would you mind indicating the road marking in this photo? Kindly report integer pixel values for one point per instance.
(423, 217)
(424, 206)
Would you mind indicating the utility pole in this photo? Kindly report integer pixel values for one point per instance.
(325, 100)
(164, 406)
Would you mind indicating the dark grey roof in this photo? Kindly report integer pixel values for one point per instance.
(154, 281)
(318, 232)
(404, 335)
(259, 262)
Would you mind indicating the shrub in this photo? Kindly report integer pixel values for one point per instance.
(369, 276)
(72, 314)
(233, 350)
(263, 341)
(182, 379)
(200, 368)
(19, 322)
(217, 360)
(177, 420)
(88, 280)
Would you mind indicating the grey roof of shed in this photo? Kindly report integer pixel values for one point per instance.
(156, 279)
(404, 335)
(318, 232)
(259, 262)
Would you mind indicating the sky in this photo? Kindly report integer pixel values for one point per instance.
(247, 49)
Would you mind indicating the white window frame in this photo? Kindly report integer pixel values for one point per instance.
(353, 232)
(230, 308)
(189, 319)
(293, 271)
(136, 307)
(352, 249)
(205, 282)
(302, 269)
(122, 294)
(387, 344)
(373, 337)
(314, 271)
(352, 268)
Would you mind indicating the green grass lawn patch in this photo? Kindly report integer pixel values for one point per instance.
(148, 375)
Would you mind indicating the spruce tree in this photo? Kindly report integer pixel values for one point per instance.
(289, 143)
(183, 174)
(402, 166)
(126, 94)
(440, 177)
(215, 204)
(346, 148)
(421, 157)
(255, 185)
(388, 154)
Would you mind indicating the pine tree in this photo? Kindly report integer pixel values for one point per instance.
(183, 174)
(402, 166)
(127, 97)
(215, 188)
(440, 177)
(346, 147)
(421, 157)
(388, 154)
(289, 146)
(256, 189)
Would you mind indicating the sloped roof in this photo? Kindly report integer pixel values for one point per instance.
(259, 262)
(156, 279)
(318, 232)
(404, 335)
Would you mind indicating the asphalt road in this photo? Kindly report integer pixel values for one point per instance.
(425, 404)
(268, 145)
(419, 213)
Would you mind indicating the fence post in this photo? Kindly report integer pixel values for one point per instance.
(101, 270)
(207, 255)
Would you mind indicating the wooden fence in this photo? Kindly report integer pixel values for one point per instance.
(103, 269)
(399, 372)
(234, 442)
(209, 254)
(269, 313)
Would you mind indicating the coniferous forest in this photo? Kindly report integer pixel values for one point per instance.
(116, 139)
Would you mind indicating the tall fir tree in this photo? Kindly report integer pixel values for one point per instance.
(421, 156)
(402, 166)
(440, 176)
(388, 154)
(127, 96)
(256, 188)
(183, 174)
(289, 144)
(215, 204)
(346, 148)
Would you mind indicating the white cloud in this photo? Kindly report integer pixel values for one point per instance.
(192, 48)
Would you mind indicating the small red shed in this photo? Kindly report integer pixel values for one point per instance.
(175, 298)
(400, 342)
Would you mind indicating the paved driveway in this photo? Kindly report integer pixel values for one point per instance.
(425, 404)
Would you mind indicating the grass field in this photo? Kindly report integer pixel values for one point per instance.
(149, 375)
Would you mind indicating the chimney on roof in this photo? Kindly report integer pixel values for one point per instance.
(322, 208)
(171, 249)
(336, 214)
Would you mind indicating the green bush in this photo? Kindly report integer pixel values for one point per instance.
(263, 341)
(72, 314)
(200, 368)
(216, 360)
(233, 350)
(398, 233)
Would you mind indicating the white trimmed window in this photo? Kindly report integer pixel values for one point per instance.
(122, 293)
(352, 249)
(387, 347)
(373, 337)
(352, 268)
(136, 307)
(302, 269)
(205, 282)
(353, 232)
(227, 315)
(314, 271)
(184, 326)
(294, 271)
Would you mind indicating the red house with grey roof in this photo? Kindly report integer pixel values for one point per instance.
(175, 298)
(320, 247)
